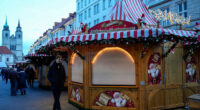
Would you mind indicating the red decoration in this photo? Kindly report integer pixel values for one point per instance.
(154, 69)
(190, 69)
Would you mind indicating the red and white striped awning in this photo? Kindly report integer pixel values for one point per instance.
(135, 34)
(76, 30)
(131, 10)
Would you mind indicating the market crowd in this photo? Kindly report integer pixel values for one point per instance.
(19, 77)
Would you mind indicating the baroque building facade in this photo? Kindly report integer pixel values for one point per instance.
(92, 12)
(13, 42)
(60, 29)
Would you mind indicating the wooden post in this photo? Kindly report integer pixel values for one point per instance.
(180, 26)
(158, 24)
(86, 75)
(139, 24)
(86, 29)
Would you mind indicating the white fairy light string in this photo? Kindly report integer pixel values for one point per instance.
(173, 18)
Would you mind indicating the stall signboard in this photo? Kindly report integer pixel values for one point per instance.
(109, 26)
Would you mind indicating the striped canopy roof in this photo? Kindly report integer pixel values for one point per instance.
(135, 34)
(76, 30)
(131, 10)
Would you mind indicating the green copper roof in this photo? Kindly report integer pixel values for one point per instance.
(6, 24)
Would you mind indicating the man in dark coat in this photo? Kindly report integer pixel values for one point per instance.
(30, 75)
(13, 81)
(56, 76)
(22, 81)
(7, 75)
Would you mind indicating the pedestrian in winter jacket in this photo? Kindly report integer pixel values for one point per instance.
(22, 81)
(13, 81)
(56, 76)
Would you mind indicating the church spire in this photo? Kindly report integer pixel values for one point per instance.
(6, 27)
(18, 29)
(6, 24)
(18, 23)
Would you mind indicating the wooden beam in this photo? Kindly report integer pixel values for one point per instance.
(75, 51)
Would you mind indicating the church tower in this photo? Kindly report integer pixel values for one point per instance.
(19, 42)
(6, 35)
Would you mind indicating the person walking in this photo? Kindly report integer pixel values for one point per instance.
(7, 72)
(30, 75)
(3, 71)
(13, 81)
(56, 76)
(22, 81)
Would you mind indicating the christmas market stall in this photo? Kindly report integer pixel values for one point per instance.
(41, 64)
(129, 62)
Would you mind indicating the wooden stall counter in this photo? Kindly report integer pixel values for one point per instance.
(194, 102)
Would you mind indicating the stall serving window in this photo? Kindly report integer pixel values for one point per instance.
(77, 69)
(113, 66)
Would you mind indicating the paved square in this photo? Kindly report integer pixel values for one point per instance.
(35, 99)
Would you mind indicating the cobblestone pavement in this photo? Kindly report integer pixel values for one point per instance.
(35, 99)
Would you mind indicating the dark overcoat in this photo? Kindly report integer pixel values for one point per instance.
(56, 76)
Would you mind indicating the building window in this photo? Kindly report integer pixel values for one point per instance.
(78, 6)
(7, 59)
(96, 9)
(109, 3)
(89, 12)
(18, 36)
(89, 25)
(85, 2)
(81, 3)
(104, 4)
(80, 17)
(182, 9)
(85, 15)
(97, 21)
(12, 47)
(165, 23)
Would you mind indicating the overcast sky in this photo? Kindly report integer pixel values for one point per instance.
(36, 16)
